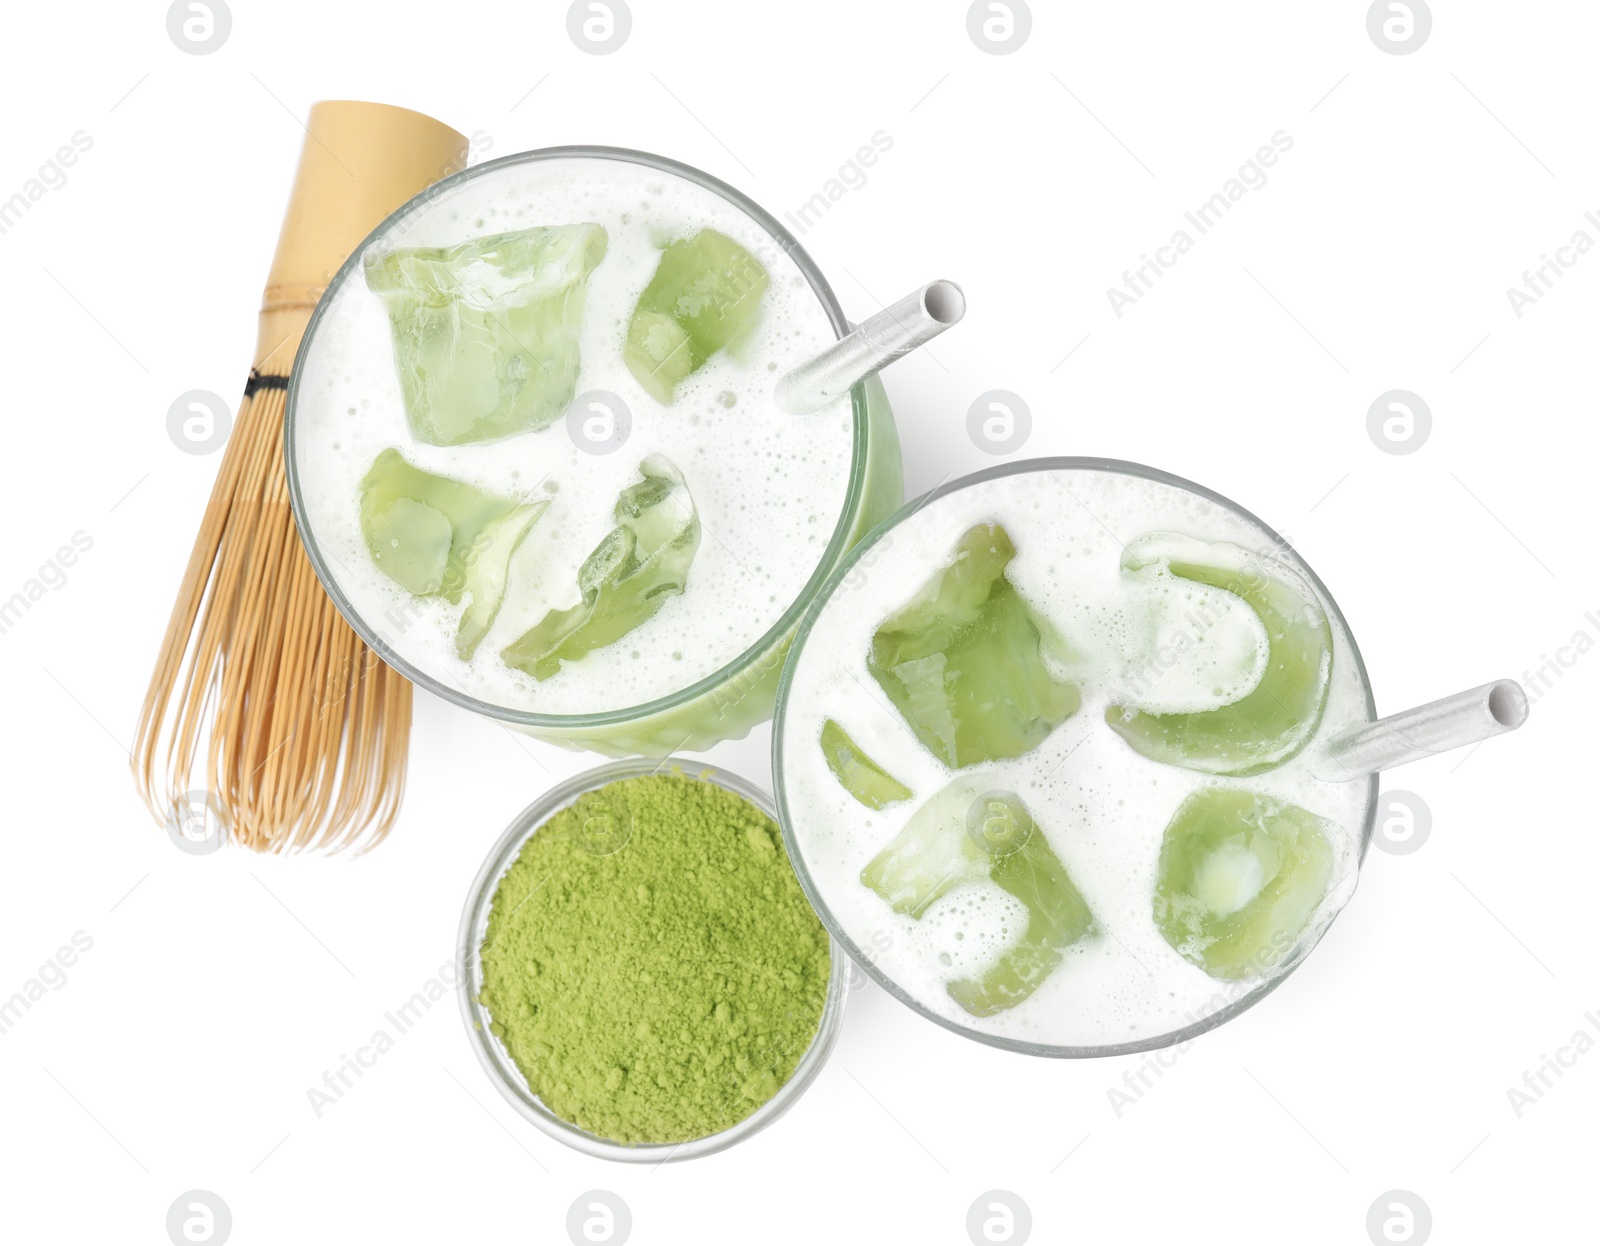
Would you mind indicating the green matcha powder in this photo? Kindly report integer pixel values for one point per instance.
(651, 963)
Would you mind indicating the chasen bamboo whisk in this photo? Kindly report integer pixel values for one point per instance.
(264, 705)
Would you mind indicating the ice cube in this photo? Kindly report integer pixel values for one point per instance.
(862, 777)
(705, 297)
(1275, 719)
(486, 331)
(435, 536)
(963, 660)
(1239, 877)
(626, 578)
(971, 832)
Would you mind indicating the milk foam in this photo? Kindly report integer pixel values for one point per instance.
(1103, 806)
(769, 487)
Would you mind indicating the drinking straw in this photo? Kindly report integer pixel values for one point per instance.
(875, 343)
(1465, 718)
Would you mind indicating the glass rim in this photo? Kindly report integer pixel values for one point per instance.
(749, 656)
(491, 1052)
(1120, 467)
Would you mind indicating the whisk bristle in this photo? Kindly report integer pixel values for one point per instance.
(262, 692)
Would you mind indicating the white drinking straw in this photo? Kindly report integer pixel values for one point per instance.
(876, 342)
(1437, 727)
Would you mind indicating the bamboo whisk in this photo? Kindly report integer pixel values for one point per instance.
(264, 704)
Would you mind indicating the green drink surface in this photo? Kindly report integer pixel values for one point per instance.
(1239, 876)
(486, 331)
(435, 536)
(963, 660)
(705, 297)
(971, 833)
(1277, 717)
(862, 777)
(626, 579)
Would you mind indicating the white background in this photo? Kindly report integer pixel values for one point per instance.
(178, 1053)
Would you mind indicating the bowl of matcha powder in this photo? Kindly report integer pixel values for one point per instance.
(645, 979)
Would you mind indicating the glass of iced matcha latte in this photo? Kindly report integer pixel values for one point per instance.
(534, 454)
(1049, 757)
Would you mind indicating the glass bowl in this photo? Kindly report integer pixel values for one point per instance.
(491, 1053)
(863, 553)
(724, 704)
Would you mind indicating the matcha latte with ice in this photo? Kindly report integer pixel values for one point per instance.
(1047, 757)
(536, 457)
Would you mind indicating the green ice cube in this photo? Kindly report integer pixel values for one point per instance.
(1275, 719)
(862, 777)
(627, 577)
(1240, 875)
(486, 332)
(705, 297)
(435, 536)
(967, 834)
(963, 659)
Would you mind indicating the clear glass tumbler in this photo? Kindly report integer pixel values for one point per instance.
(794, 731)
(729, 701)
